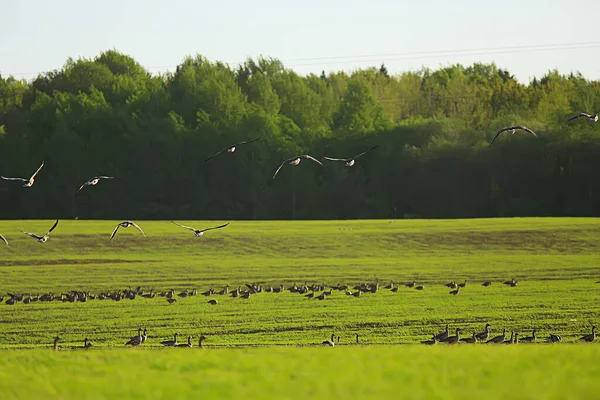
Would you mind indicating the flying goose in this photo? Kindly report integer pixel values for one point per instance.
(200, 232)
(350, 161)
(170, 343)
(512, 130)
(28, 182)
(231, 149)
(589, 338)
(94, 181)
(42, 239)
(188, 344)
(592, 118)
(126, 224)
(295, 161)
(3, 239)
(329, 342)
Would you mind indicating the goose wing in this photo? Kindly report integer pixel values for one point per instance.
(38, 170)
(214, 155)
(282, 164)
(579, 115)
(51, 229)
(115, 231)
(137, 227)
(337, 159)
(183, 226)
(498, 134)
(526, 129)
(103, 177)
(82, 186)
(365, 152)
(3, 239)
(33, 235)
(307, 157)
(247, 141)
(215, 227)
(14, 179)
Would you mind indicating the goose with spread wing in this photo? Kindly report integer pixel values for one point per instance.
(3, 239)
(231, 148)
(42, 239)
(28, 182)
(94, 181)
(511, 130)
(200, 232)
(591, 117)
(295, 161)
(350, 161)
(126, 224)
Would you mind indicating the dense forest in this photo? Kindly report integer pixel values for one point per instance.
(110, 116)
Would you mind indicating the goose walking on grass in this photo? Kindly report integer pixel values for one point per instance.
(454, 339)
(511, 130)
(295, 161)
(498, 339)
(349, 162)
(188, 344)
(42, 239)
(200, 232)
(28, 182)
(126, 224)
(470, 340)
(329, 342)
(591, 117)
(589, 338)
(443, 335)
(231, 149)
(485, 334)
(3, 239)
(170, 343)
(94, 181)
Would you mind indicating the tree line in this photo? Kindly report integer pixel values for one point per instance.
(110, 116)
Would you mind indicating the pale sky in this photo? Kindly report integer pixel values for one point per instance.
(308, 36)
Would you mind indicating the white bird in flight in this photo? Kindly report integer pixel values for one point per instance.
(295, 161)
(94, 181)
(512, 130)
(28, 182)
(42, 239)
(3, 239)
(232, 148)
(200, 232)
(350, 161)
(126, 224)
(592, 118)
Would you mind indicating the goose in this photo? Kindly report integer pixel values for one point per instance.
(329, 342)
(443, 335)
(511, 283)
(455, 291)
(87, 344)
(42, 239)
(139, 339)
(471, 340)
(126, 224)
(56, 346)
(511, 130)
(200, 340)
(451, 285)
(512, 338)
(231, 149)
(554, 338)
(3, 239)
(589, 338)
(462, 285)
(529, 339)
(188, 344)
(431, 341)
(295, 161)
(395, 289)
(454, 339)
(411, 285)
(486, 283)
(145, 336)
(498, 339)
(592, 118)
(171, 301)
(485, 334)
(357, 338)
(200, 232)
(28, 182)
(420, 287)
(348, 162)
(213, 302)
(170, 343)
(94, 181)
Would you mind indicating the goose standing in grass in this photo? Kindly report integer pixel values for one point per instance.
(200, 232)
(471, 340)
(486, 283)
(443, 335)
(28, 182)
(56, 346)
(231, 149)
(348, 162)
(529, 339)
(455, 291)
(485, 334)
(94, 181)
(511, 130)
(454, 339)
(552, 338)
(329, 342)
(295, 161)
(589, 338)
(188, 344)
(357, 342)
(200, 340)
(431, 341)
(136, 340)
(591, 117)
(3, 239)
(462, 285)
(512, 338)
(126, 224)
(498, 339)
(42, 239)
(170, 343)
(145, 336)
(411, 284)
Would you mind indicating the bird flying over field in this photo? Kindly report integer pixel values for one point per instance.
(512, 130)
(200, 232)
(126, 224)
(28, 182)
(231, 148)
(42, 239)
(350, 161)
(94, 181)
(3, 239)
(295, 161)
(591, 117)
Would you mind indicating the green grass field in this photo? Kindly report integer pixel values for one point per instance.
(556, 262)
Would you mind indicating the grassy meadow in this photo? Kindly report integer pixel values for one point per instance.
(556, 262)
